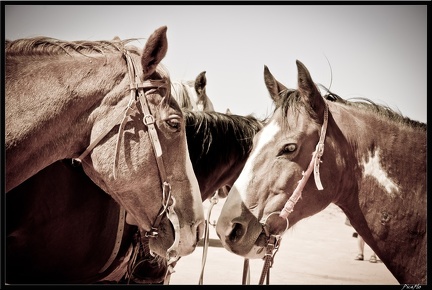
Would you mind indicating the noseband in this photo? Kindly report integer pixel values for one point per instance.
(138, 95)
(273, 241)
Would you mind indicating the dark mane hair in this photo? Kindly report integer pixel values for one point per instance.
(218, 136)
(382, 110)
(290, 99)
(50, 46)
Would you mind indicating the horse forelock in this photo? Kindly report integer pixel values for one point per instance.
(290, 102)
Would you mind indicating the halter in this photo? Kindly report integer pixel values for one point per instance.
(314, 164)
(274, 240)
(138, 95)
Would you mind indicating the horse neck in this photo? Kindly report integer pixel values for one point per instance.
(224, 174)
(387, 205)
(218, 161)
(380, 141)
(45, 123)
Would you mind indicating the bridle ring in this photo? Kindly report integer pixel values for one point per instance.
(264, 221)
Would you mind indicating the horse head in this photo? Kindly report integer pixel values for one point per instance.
(257, 203)
(115, 114)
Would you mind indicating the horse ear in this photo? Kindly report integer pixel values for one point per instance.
(200, 83)
(308, 89)
(273, 86)
(154, 51)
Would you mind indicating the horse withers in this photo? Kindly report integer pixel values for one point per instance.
(108, 105)
(363, 157)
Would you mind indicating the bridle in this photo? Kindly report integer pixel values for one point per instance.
(138, 95)
(273, 241)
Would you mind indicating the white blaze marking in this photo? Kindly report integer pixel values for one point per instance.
(373, 168)
(267, 135)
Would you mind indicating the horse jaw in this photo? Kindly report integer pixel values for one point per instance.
(131, 220)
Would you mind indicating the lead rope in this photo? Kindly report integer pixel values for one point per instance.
(273, 243)
(214, 200)
(246, 272)
(271, 250)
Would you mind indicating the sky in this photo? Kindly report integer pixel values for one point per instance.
(372, 51)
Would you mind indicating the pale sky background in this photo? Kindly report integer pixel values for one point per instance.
(375, 51)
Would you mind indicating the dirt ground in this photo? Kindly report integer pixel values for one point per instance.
(319, 250)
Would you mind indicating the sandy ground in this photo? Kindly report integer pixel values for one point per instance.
(319, 250)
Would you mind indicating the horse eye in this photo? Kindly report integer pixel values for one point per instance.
(174, 123)
(289, 148)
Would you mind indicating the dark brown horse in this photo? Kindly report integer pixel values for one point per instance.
(365, 158)
(62, 228)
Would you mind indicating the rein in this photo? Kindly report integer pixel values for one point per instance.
(138, 95)
(274, 240)
(214, 200)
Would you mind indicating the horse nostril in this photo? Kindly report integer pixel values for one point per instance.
(236, 233)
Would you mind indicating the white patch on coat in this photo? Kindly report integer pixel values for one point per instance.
(373, 168)
(267, 135)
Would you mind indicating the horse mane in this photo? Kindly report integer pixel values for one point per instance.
(42, 45)
(206, 129)
(369, 105)
(290, 99)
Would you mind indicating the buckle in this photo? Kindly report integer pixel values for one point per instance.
(148, 120)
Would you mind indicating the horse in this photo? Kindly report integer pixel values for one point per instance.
(365, 158)
(74, 240)
(191, 94)
(70, 100)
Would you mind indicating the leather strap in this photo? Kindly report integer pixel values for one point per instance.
(119, 236)
(214, 200)
(313, 166)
